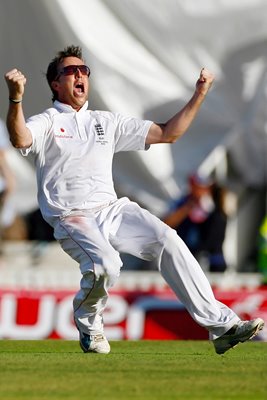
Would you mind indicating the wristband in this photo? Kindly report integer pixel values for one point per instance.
(15, 101)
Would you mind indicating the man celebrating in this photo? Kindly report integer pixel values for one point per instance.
(74, 149)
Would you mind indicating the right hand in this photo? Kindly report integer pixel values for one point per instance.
(16, 82)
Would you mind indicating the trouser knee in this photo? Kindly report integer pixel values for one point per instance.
(169, 240)
(108, 265)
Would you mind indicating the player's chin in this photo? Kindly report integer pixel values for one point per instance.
(79, 101)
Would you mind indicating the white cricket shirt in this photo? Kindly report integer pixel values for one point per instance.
(73, 155)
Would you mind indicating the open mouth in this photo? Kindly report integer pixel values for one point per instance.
(79, 88)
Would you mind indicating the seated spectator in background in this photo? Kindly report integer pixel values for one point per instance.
(200, 220)
(40, 233)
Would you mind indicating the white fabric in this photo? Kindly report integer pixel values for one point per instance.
(95, 239)
(4, 141)
(3, 147)
(74, 153)
(25, 185)
(8, 208)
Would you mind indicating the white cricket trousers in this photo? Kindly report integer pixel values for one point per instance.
(95, 239)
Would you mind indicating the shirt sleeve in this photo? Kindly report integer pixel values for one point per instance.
(38, 125)
(131, 133)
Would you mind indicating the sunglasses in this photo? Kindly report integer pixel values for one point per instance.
(73, 69)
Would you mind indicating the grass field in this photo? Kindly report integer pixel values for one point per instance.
(145, 370)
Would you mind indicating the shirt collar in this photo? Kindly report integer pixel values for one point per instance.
(61, 107)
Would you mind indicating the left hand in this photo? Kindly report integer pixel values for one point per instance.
(204, 81)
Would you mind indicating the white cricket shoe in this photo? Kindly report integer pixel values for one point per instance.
(94, 343)
(243, 331)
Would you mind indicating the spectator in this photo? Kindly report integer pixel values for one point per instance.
(200, 220)
(40, 233)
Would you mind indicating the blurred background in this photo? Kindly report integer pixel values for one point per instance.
(145, 57)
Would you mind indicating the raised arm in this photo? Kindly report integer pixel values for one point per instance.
(173, 129)
(20, 135)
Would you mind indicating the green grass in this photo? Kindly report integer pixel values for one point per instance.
(143, 370)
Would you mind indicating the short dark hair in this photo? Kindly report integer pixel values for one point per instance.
(52, 69)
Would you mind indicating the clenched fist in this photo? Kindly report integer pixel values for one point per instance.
(16, 83)
(204, 81)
